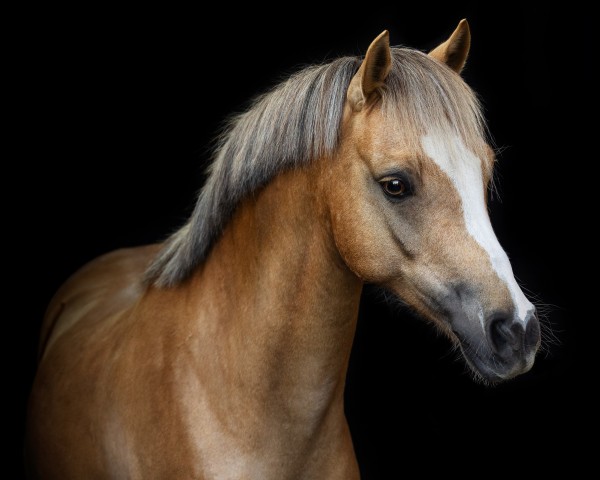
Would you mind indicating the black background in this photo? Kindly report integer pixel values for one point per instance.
(116, 110)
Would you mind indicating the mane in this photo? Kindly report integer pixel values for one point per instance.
(298, 121)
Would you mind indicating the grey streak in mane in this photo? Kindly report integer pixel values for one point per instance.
(299, 121)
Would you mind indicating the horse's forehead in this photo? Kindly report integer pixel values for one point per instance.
(380, 139)
(384, 141)
(450, 153)
(461, 163)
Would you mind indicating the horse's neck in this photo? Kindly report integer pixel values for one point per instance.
(280, 306)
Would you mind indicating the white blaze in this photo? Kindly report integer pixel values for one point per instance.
(464, 170)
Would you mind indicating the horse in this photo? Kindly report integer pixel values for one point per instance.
(222, 353)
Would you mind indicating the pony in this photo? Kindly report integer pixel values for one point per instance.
(222, 353)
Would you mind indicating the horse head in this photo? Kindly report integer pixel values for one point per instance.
(407, 195)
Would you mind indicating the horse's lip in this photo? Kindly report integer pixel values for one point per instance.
(478, 363)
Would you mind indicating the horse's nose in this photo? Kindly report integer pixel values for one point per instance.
(510, 337)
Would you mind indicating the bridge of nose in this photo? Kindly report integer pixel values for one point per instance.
(464, 169)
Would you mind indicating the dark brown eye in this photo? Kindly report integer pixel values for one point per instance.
(395, 187)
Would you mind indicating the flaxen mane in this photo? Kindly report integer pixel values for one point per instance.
(298, 121)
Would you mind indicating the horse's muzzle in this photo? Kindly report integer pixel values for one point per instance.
(509, 338)
(508, 350)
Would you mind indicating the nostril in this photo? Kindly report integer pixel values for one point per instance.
(499, 335)
(505, 335)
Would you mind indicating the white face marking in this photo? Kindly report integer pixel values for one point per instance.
(464, 170)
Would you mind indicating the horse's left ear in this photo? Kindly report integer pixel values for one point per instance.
(372, 72)
(453, 52)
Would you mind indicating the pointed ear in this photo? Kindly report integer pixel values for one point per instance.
(453, 52)
(372, 72)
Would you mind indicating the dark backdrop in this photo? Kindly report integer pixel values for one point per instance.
(116, 109)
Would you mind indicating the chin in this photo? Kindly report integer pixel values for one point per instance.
(490, 369)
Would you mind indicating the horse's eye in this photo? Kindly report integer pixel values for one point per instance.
(395, 187)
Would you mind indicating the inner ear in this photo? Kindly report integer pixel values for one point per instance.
(372, 72)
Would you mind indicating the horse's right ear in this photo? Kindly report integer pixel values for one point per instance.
(372, 72)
